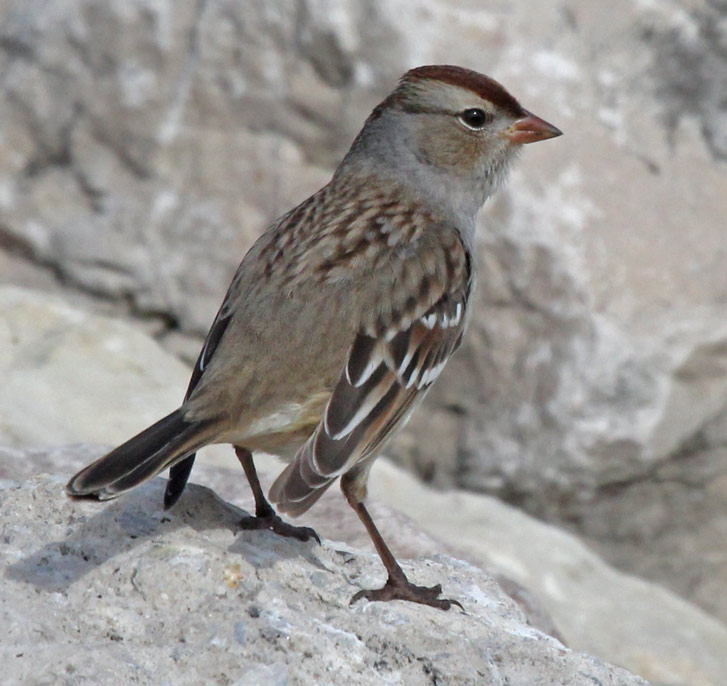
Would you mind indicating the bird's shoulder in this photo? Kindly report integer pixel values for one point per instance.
(343, 232)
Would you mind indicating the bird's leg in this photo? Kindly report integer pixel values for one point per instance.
(265, 516)
(397, 586)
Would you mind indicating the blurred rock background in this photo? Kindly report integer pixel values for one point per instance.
(145, 144)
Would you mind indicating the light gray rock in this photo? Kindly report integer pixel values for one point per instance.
(331, 518)
(589, 606)
(145, 145)
(596, 608)
(664, 639)
(123, 592)
(68, 375)
(597, 352)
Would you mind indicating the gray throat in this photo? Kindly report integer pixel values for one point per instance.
(384, 150)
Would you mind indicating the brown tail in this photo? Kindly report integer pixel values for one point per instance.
(145, 455)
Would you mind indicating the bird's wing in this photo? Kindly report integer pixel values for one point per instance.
(214, 336)
(179, 472)
(388, 370)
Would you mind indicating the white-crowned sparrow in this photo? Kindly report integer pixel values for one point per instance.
(345, 311)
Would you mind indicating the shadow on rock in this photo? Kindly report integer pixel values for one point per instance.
(99, 531)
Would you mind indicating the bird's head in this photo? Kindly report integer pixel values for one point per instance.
(451, 133)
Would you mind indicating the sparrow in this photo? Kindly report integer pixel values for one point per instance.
(344, 312)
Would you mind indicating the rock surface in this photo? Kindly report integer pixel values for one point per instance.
(67, 375)
(663, 638)
(596, 608)
(124, 592)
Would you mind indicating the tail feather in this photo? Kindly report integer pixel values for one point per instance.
(298, 487)
(163, 444)
(178, 475)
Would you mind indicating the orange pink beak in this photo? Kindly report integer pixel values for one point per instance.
(531, 129)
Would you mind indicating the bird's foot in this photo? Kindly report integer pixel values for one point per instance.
(274, 523)
(400, 588)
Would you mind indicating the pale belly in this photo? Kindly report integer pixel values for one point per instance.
(281, 432)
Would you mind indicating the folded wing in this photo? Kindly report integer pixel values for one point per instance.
(387, 372)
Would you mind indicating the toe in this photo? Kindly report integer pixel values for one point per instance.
(398, 589)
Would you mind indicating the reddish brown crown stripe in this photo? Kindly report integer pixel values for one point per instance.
(483, 86)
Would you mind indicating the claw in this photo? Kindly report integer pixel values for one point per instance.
(275, 524)
(403, 589)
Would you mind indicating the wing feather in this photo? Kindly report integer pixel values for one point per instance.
(385, 376)
(179, 473)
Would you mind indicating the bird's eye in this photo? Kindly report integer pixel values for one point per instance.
(474, 118)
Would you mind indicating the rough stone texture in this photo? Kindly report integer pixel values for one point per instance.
(590, 606)
(100, 379)
(143, 146)
(124, 592)
(595, 607)
(66, 374)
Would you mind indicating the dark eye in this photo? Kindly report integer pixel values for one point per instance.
(474, 118)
